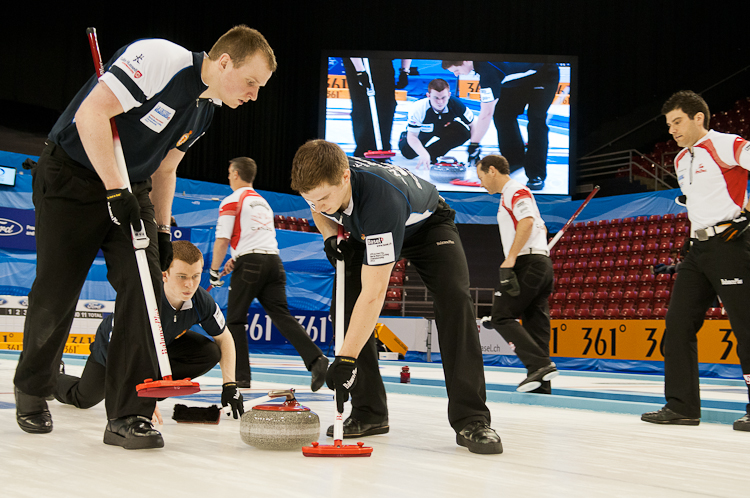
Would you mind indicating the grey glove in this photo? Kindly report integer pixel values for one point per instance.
(215, 278)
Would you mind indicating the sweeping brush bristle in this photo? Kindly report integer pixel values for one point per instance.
(196, 414)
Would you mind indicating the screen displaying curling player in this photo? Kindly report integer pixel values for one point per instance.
(436, 114)
(7, 176)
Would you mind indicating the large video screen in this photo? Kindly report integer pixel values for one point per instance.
(427, 111)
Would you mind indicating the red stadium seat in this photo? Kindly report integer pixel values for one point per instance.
(643, 313)
(659, 313)
(627, 313)
(714, 314)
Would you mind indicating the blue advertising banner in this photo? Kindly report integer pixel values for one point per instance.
(17, 229)
(263, 334)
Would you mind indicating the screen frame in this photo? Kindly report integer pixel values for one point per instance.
(12, 182)
(572, 60)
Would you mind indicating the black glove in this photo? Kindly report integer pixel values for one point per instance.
(124, 209)
(662, 268)
(165, 250)
(231, 397)
(342, 377)
(335, 251)
(736, 227)
(509, 282)
(403, 79)
(363, 79)
(474, 150)
(215, 278)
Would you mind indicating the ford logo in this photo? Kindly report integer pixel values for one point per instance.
(24, 302)
(3, 301)
(93, 306)
(10, 227)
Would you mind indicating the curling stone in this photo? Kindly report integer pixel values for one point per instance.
(447, 169)
(284, 426)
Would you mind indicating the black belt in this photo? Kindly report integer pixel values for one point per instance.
(703, 234)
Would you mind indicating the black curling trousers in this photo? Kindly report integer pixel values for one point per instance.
(190, 356)
(530, 340)
(438, 256)
(262, 276)
(72, 224)
(711, 268)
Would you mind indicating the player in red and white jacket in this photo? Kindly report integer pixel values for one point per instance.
(712, 172)
(245, 226)
(526, 276)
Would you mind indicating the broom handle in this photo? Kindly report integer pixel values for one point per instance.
(140, 239)
(571, 220)
(338, 425)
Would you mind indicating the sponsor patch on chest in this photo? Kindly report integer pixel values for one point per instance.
(159, 117)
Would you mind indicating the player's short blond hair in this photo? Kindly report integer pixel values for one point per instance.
(241, 43)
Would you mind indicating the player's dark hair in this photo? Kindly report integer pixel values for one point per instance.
(447, 64)
(245, 167)
(690, 103)
(438, 84)
(186, 251)
(318, 162)
(241, 43)
(496, 161)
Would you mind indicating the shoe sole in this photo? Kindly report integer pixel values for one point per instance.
(481, 448)
(369, 432)
(551, 375)
(114, 439)
(744, 426)
(677, 421)
(529, 386)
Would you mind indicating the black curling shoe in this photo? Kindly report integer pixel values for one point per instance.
(356, 428)
(132, 433)
(479, 438)
(32, 414)
(318, 372)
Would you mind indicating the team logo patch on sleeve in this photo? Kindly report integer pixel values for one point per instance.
(379, 249)
(219, 317)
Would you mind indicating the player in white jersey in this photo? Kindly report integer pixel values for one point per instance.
(245, 226)
(712, 173)
(526, 276)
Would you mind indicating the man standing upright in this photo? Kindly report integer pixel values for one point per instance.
(526, 276)
(246, 226)
(162, 98)
(712, 173)
(507, 90)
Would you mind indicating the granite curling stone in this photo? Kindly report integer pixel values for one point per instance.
(280, 426)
